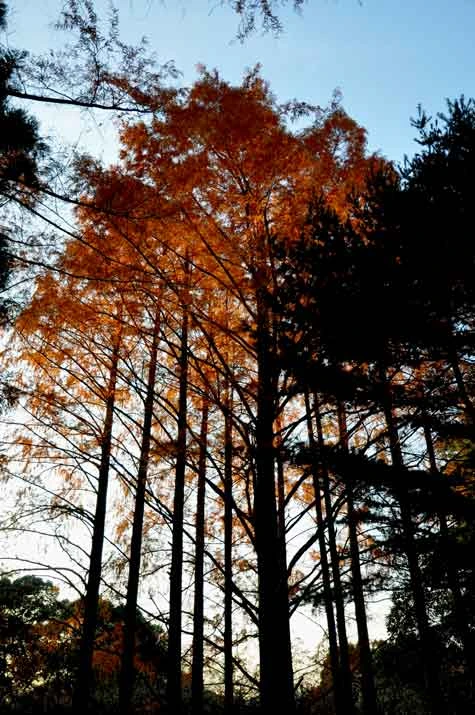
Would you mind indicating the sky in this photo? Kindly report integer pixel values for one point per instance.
(385, 56)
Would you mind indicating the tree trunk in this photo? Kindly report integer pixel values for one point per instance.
(127, 678)
(368, 689)
(433, 692)
(340, 704)
(84, 681)
(454, 363)
(461, 615)
(228, 558)
(174, 690)
(276, 676)
(197, 685)
(281, 535)
(345, 669)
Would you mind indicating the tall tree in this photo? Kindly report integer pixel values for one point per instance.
(174, 680)
(339, 692)
(197, 689)
(235, 183)
(84, 682)
(127, 672)
(228, 554)
(366, 665)
(345, 680)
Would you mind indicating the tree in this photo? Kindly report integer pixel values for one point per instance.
(250, 10)
(435, 181)
(379, 256)
(81, 430)
(39, 643)
(34, 660)
(21, 148)
(197, 689)
(98, 71)
(236, 184)
(127, 672)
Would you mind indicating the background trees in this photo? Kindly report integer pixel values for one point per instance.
(39, 644)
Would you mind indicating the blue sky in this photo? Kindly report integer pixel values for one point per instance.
(386, 56)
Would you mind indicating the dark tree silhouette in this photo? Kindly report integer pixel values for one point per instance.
(20, 151)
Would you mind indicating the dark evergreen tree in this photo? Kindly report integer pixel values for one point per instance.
(387, 292)
(20, 150)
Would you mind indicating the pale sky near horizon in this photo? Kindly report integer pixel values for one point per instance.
(386, 57)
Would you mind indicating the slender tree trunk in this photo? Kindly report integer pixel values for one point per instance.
(84, 682)
(126, 686)
(340, 704)
(281, 498)
(434, 694)
(276, 676)
(461, 615)
(174, 690)
(197, 685)
(366, 660)
(228, 557)
(281, 535)
(454, 363)
(281, 526)
(345, 669)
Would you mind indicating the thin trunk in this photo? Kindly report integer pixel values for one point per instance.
(276, 676)
(465, 399)
(461, 615)
(368, 689)
(174, 690)
(345, 669)
(340, 704)
(281, 535)
(84, 682)
(228, 558)
(197, 686)
(126, 686)
(433, 691)
(281, 499)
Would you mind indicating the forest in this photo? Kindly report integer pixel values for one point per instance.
(237, 390)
